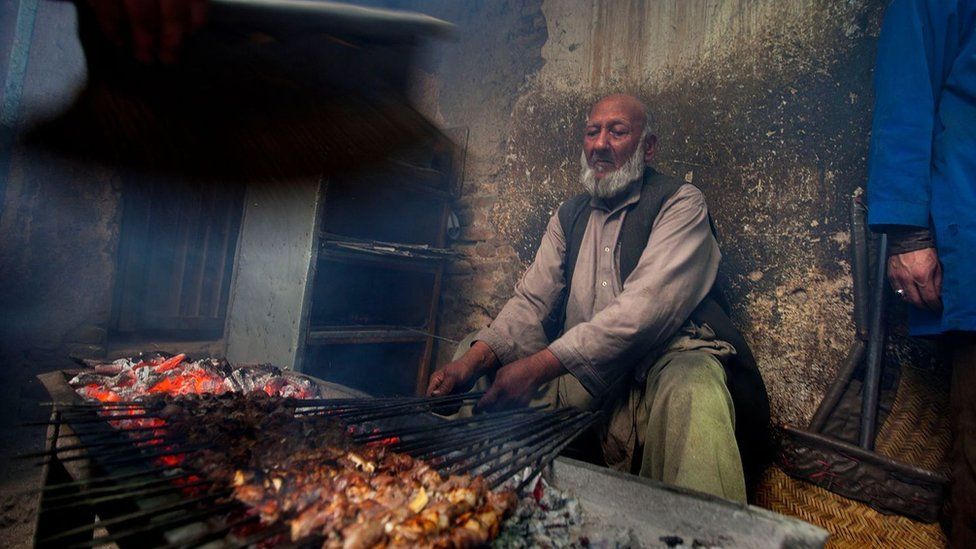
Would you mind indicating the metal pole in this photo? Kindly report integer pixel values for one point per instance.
(876, 341)
(854, 358)
(859, 266)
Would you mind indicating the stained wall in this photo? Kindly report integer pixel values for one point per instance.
(765, 105)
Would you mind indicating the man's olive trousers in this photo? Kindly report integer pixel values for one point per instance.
(679, 423)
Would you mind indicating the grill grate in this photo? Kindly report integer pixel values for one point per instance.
(499, 447)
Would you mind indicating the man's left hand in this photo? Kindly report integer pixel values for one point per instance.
(517, 383)
(918, 275)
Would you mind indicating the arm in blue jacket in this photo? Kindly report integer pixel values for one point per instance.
(908, 81)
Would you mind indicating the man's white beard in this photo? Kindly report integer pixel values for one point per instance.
(614, 182)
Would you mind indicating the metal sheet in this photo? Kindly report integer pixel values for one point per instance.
(271, 277)
(614, 501)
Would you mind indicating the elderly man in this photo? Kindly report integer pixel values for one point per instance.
(617, 313)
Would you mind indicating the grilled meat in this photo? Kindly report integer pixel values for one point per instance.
(306, 472)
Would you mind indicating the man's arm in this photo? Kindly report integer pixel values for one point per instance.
(673, 275)
(900, 163)
(907, 84)
(517, 331)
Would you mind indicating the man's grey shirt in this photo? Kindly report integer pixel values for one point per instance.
(610, 330)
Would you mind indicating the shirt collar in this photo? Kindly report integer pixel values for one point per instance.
(631, 195)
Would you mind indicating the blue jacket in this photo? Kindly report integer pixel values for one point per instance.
(922, 167)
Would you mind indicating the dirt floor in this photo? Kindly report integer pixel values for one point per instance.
(17, 504)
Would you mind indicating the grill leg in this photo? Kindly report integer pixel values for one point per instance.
(49, 524)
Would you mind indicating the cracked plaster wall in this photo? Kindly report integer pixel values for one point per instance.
(765, 105)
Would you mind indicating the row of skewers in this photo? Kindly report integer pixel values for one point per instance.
(398, 460)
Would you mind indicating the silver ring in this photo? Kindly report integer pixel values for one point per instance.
(900, 292)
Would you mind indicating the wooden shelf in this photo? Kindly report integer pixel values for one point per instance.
(396, 208)
(327, 336)
(423, 180)
(422, 264)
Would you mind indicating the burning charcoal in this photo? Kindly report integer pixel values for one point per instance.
(108, 369)
(85, 378)
(127, 379)
(220, 366)
(238, 381)
(146, 378)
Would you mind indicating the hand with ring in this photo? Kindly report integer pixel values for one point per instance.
(917, 278)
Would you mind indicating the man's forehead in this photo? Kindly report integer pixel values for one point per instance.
(616, 108)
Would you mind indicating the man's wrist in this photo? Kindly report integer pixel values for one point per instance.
(548, 367)
(482, 358)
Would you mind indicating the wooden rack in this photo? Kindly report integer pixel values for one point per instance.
(376, 280)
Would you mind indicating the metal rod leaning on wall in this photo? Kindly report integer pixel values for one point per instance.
(859, 265)
(859, 273)
(876, 341)
(854, 358)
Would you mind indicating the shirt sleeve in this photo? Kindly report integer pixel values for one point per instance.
(903, 239)
(518, 330)
(672, 276)
(907, 82)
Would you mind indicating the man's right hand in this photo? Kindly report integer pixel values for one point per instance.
(459, 376)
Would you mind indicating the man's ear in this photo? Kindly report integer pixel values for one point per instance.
(650, 147)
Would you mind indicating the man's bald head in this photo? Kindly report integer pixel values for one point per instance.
(622, 103)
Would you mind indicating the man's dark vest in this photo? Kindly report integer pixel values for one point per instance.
(742, 376)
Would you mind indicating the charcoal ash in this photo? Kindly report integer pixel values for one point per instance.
(549, 517)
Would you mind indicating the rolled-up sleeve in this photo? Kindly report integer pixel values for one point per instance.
(518, 330)
(673, 275)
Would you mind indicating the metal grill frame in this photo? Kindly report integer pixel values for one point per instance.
(121, 485)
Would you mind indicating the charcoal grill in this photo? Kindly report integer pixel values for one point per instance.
(94, 468)
(138, 506)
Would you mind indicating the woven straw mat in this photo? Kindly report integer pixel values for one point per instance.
(916, 432)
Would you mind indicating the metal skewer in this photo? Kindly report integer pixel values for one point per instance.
(159, 510)
(550, 447)
(136, 493)
(466, 438)
(83, 446)
(120, 488)
(101, 479)
(160, 526)
(540, 425)
(87, 420)
(497, 451)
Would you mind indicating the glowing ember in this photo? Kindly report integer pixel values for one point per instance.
(132, 379)
(171, 363)
(384, 441)
(94, 391)
(136, 379)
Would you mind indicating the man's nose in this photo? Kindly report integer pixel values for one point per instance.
(602, 141)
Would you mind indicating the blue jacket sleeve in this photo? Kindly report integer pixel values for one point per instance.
(907, 82)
